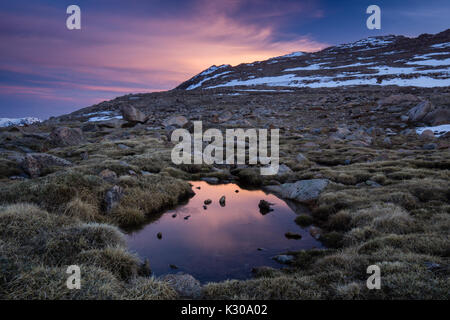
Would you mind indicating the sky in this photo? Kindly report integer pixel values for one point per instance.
(153, 45)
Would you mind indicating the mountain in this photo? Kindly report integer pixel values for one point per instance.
(6, 122)
(386, 60)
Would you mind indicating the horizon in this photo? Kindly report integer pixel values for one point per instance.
(141, 47)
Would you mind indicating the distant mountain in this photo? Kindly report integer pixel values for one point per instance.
(6, 122)
(386, 60)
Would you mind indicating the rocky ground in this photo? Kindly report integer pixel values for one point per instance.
(378, 192)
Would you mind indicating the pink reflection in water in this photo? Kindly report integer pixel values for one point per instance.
(220, 242)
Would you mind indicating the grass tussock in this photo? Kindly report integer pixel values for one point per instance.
(36, 247)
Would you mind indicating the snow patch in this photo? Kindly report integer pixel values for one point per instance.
(7, 122)
(437, 130)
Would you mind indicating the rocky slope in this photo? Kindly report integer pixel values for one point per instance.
(386, 60)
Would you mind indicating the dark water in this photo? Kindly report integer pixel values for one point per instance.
(220, 243)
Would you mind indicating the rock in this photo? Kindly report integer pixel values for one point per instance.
(84, 156)
(404, 118)
(420, 111)
(398, 99)
(437, 117)
(264, 207)
(304, 191)
(301, 158)
(174, 215)
(207, 201)
(284, 258)
(292, 235)
(427, 135)
(176, 121)
(430, 146)
(223, 117)
(172, 266)
(64, 136)
(387, 141)
(371, 183)
(341, 133)
(184, 284)
(89, 127)
(132, 115)
(34, 163)
(315, 232)
(112, 198)
(159, 235)
(108, 175)
(211, 180)
(187, 217)
(121, 146)
(222, 201)
(283, 169)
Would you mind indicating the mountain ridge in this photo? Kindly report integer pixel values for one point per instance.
(382, 60)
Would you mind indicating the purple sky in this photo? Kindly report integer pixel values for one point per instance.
(143, 46)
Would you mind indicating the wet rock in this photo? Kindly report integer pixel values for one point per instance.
(419, 111)
(159, 235)
(174, 215)
(264, 206)
(108, 175)
(205, 207)
(207, 201)
(172, 266)
(184, 284)
(302, 191)
(187, 217)
(211, 180)
(112, 198)
(34, 163)
(64, 136)
(315, 232)
(292, 235)
(284, 258)
(222, 201)
(132, 115)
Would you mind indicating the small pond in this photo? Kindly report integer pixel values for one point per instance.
(219, 242)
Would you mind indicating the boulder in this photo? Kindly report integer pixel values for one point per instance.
(284, 258)
(419, 112)
(176, 121)
(437, 117)
(301, 158)
(108, 175)
(34, 163)
(184, 284)
(264, 207)
(304, 191)
(399, 99)
(132, 115)
(64, 136)
(112, 198)
(427, 135)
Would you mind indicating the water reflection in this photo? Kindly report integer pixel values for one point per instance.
(219, 242)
